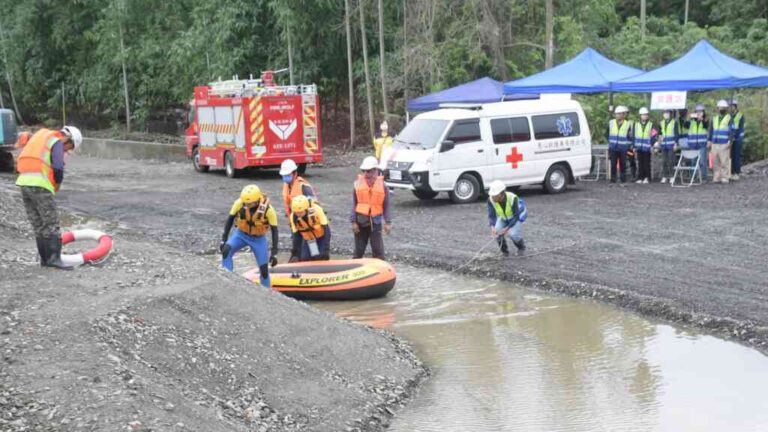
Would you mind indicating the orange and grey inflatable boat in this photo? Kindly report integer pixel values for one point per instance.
(358, 279)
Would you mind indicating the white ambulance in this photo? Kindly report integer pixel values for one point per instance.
(461, 149)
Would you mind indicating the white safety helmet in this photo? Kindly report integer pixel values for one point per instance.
(621, 109)
(643, 110)
(369, 162)
(722, 103)
(497, 187)
(74, 134)
(287, 167)
(384, 126)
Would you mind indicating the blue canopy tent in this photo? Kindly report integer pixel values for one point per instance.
(588, 72)
(483, 90)
(703, 67)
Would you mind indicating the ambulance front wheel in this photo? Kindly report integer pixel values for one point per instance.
(196, 161)
(229, 165)
(302, 168)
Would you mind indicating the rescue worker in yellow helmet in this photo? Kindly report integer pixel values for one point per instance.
(294, 184)
(41, 172)
(253, 216)
(382, 145)
(311, 231)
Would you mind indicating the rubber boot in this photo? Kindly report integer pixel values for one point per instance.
(503, 246)
(520, 247)
(41, 251)
(53, 253)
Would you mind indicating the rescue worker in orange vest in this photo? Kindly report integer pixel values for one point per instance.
(254, 216)
(41, 172)
(370, 211)
(311, 232)
(294, 185)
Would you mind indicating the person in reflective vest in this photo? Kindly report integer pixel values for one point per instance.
(311, 231)
(720, 140)
(666, 143)
(737, 147)
(370, 210)
(644, 134)
(697, 138)
(619, 137)
(252, 215)
(506, 213)
(382, 145)
(41, 173)
(294, 185)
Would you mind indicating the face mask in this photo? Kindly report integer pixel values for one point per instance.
(666, 116)
(723, 111)
(288, 178)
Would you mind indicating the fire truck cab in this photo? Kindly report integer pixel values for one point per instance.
(238, 124)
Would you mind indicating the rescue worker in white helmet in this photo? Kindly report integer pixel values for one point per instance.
(41, 172)
(311, 231)
(619, 135)
(506, 214)
(370, 210)
(720, 140)
(253, 216)
(294, 185)
(644, 135)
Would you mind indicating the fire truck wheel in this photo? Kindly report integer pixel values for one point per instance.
(302, 169)
(196, 161)
(229, 165)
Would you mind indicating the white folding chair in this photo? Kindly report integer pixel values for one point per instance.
(687, 171)
(598, 160)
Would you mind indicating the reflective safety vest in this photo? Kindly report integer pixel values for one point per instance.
(618, 136)
(643, 136)
(697, 135)
(253, 221)
(738, 132)
(370, 199)
(668, 133)
(721, 129)
(507, 212)
(309, 225)
(380, 143)
(34, 164)
(291, 191)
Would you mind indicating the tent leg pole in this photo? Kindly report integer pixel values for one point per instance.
(610, 101)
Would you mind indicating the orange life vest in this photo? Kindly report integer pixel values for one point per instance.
(253, 221)
(34, 163)
(293, 190)
(370, 199)
(309, 225)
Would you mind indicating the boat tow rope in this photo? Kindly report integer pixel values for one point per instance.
(527, 255)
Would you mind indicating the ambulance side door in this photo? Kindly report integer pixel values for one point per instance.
(511, 140)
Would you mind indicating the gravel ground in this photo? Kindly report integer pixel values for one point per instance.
(693, 256)
(158, 339)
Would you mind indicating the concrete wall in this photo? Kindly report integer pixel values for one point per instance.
(120, 149)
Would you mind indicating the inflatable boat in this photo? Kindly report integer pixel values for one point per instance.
(331, 280)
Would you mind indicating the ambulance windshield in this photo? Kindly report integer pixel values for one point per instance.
(421, 133)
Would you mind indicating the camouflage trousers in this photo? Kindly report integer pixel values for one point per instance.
(41, 211)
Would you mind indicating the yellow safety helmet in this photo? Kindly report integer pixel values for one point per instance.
(250, 194)
(300, 203)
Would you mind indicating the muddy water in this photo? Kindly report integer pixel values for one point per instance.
(507, 359)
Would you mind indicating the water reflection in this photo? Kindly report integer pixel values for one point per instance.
(507, 359)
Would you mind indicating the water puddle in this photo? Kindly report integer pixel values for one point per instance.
(504, 358)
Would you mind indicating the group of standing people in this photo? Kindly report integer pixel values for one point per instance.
(252, 215)
(632, 143)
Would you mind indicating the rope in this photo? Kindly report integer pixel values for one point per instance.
(527, 255)
(475, 256)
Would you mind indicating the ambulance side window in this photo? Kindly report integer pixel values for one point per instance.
(510, 130)
(464, 131)
(552, 126)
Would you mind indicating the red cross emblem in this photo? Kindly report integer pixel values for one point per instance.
(514, 157)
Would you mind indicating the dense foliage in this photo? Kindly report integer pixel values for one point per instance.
(74, 47)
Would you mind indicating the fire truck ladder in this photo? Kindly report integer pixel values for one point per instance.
(255, 87)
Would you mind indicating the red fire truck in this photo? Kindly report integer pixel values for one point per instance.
(238, 124)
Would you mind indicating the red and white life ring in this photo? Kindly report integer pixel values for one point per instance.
(96, 254)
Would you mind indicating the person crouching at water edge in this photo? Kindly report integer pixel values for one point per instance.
(254, 216)
(311, 231)
(370, 210)
(506, 214)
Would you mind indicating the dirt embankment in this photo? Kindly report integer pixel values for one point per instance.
(160, 339)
